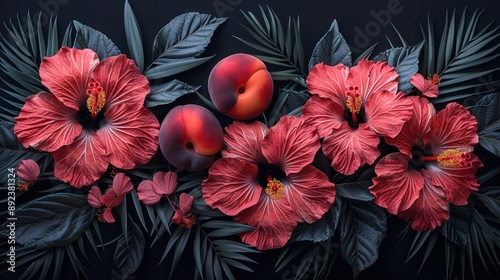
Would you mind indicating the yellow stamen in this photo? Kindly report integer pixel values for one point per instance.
(22, 185)
(354, 103)
(453, 158)
(275, 189)
(96, 98)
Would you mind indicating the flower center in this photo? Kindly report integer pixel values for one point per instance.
(275, 188)
(96, 98)
(434, 79)
(353, 104)
(450, 158)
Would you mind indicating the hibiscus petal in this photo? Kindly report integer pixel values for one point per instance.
(185, 203)
(164, 183)
(414, 129)
(146, 193)
(122, 81)
(108, 215)
(122, 184)
(94, 197)
(453, 127)
(371, 77)
(82, 162)
(351, 148)
(324, 114)
(429, 88)
(111, 199)
(130, 136)
(386, 112)
(66, 74)
(430, 210)
(46, 124)
(309, 193)
(273, 221)
(328, 81)
(231, 186)
(243, 141)
(457, 182)
(396, 187)
(290, 144)
(28, 170)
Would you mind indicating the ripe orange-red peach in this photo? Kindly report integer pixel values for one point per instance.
(190, 137)
(240, 86)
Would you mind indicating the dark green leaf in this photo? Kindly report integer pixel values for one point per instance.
(456, 229)
(172, 67)
(87, 37)
(322, 229)
(53, 220)
(166, 93)
(487, 113)
(405, 60)
(362, 229)
(133, 35)
(331, 49)
(185, 36)
(129, 251)
(355, 190)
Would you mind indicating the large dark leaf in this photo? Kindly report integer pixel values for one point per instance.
(52, 220)
(331, 49)
(355, 190)
(87, 37)
(487, 113)
(362, 228)
(185, 36)
(457, 227)
(129, 251)
(322, 229)
(133, 35)
(405, 60)
(166, 93)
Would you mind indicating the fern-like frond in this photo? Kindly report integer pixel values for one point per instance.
(461, 54)
(281, 47)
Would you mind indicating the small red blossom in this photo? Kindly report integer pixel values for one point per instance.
(428, 87)
(352, 108)
(92, 117)
(182, 216)
(163, 184)
(435, 165)
(265, 179)
(113, 197)
(28, 172)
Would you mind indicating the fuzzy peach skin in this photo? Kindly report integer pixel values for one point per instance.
(190, 136)
(240, 86)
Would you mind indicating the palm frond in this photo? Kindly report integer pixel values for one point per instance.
(460, 54)
(21, 51)
(283, 47)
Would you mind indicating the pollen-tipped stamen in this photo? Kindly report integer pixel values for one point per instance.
(450, 158)
(96, 99)
(354, 103)
(275, 188)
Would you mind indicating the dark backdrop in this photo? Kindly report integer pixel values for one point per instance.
(362, 23)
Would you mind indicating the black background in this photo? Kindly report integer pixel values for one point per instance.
(362, 24)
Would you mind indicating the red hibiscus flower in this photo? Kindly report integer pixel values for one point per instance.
(94, 115)
(352, 107)
(163, 184)
(265, 180)
(428, 87)
(28, 173)
(113, 197)
(434, 167)
(182, 216)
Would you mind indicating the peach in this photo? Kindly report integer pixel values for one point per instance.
(190, 137)
(240, 86)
